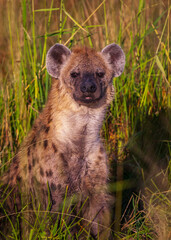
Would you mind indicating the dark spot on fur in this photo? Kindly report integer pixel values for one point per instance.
(53, 186)
(19, 178)
(28, 151)
(54, 148)
(35, 127)
(29, 167)
(33, 142)
(49, 173)
(59, 186)
(41, 172)
(47, 129)
(100, 158)
(15, 159)
(45, 144)
(53, 202)
(49, 119)
(49, 114)
(33, 161)
(64, 159)
(101, 150)
(16, 167)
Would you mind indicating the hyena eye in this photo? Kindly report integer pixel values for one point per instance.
(100, 74)
(74, 74)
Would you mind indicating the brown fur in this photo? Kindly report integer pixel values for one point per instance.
(64, 149)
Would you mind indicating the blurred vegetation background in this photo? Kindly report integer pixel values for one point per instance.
(137, 128)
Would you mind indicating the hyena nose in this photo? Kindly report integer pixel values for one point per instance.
(88, 87)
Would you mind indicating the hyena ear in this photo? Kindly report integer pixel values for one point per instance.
(115, 57)
(55, 58)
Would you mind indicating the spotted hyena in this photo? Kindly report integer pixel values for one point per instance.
(64, 150)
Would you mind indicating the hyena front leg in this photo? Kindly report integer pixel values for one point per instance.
(96, 209)
(96, 215)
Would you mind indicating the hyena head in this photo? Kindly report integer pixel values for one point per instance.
(87, 75)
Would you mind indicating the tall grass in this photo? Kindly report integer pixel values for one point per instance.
(140, 113)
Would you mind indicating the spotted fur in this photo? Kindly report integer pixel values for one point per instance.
(64, 149)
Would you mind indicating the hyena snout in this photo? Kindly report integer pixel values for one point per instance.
(88, 85)
(88, 90)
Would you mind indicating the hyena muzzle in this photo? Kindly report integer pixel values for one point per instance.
(64, 150)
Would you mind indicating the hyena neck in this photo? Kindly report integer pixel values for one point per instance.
(74, 124)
